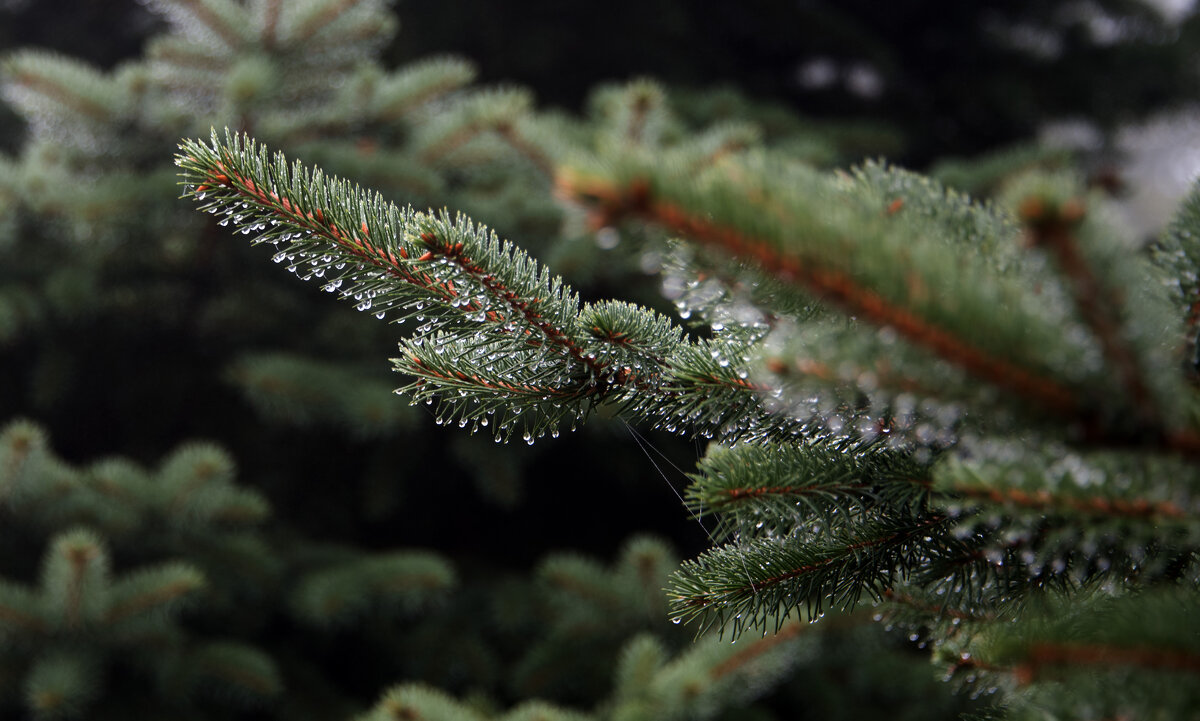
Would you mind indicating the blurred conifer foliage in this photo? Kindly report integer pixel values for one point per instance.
(957, 78)
(929, 426)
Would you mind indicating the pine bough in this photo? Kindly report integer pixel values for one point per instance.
(983, 422)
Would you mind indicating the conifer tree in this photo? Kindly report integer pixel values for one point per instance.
(978, 419)
(92, 628)
(128, 324)
(964, 421)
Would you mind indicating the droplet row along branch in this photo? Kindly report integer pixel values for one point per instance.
(395, 263)
(315, 222)
(722, 498)
(523, 306)
(613, 202)
(224, 168)
(496, 385)
(228, 174)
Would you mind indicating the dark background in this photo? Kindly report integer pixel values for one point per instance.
(956, 78)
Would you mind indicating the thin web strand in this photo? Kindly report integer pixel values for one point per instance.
(644, 443)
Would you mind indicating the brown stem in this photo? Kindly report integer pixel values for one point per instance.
(1042, 499)
(53, 89)
(16, 617)
(270, 23)
(1048, 654)
(214, 22)
(1054, 229)
(142, 602)
(321, 20)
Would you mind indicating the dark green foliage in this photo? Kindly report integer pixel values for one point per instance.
(118, 305)
(156, 569)
(887, 508)
(84, 623)
(965, 420)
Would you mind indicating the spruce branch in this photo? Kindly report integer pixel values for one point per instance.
(398, 581)
(75, 580)
(927, 266)
(499, 340)
(1144, 641)
(899, 600)
(768, 490)
(1043, 658)
(301, 392)
(151, 590)
(19, 611)
(472, 294)
(744, 586)
(36, 78)
(407, 91)
(1043, 500)
(1058, 516)
(725, 139)
(237, 666)
(634, 114)
(1177, 252)
(267, 18)
(206, 21)
(483, 112)
(1055, 224)
(1120, 483)
(362, 17)
(704, 213)
(416, 701)
(738, 662)
(23, 451)
(61, 685)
